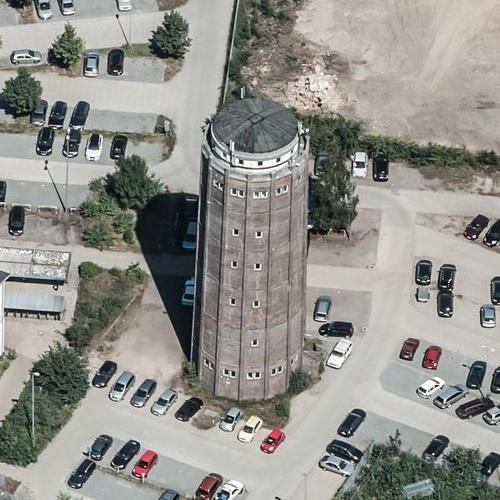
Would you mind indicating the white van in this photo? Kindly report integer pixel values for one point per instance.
(359, 164)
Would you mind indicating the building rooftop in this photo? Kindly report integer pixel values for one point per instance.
(255, 125)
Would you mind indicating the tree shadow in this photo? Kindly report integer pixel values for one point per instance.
(160, 236)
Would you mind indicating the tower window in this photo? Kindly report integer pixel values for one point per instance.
(229, 373)
(240, 161)
(232, 301)
(276, 371)
(258, 234)
(260, 163)
(256, 304)
(255, 343)
(218, 185)
(236, 232)
(257, 266)
(259, 195)
(253, 375)
(209, 364)
(281, 190)
(237, 192)
(234, 264)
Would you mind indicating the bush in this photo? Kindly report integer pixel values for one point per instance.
(89, 270)
(299, 382)
(282, 408)
(123, 222)
(190, 374)
(135, 274)
(67, 48)
(21, 93)
(98, 235)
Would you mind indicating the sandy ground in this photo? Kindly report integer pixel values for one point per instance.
(420, 68)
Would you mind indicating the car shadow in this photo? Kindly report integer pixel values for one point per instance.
(160, 239)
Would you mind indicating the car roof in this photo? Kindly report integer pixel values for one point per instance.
(276, 433)
(233, 412)
(198, 401)
(342, 345)
(253, 421)
(167, 393)
(148, 455)
(147, 383)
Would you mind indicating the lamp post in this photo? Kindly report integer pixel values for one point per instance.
(46, 167)
(122, 30)
(67, 173)
(33, 375)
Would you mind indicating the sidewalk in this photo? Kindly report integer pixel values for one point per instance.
(12, 382)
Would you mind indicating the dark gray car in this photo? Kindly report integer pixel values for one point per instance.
(143, 393)
(230, 420)
(39, 113)
(169, 495)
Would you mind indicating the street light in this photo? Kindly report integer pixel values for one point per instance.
(46, 168)
(33, 375)
(123, 31)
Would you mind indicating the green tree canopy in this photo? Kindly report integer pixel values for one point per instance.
(334, 202)
(131, 184)
(21, 93)
(67, 48)
(171, 38)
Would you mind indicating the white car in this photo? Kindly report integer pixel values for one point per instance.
(359, 164)
(188, 294)
(189, 241)
(124, 5)
(339, 354)
(67, 7)
(337, 465)
(230, 490)
(94, 147)
(429, 387)
(247, 433)
(43, 9)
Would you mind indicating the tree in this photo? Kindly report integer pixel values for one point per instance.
(171, 38)
(67, 48)
(334, 202)
(22, 93)
(131, 184)
(19, 4)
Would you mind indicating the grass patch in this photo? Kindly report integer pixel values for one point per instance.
(19, 125)
(74, 71)
(172, 67)
(170, 4)
(138, 50)
(102, 297)
(5, 360)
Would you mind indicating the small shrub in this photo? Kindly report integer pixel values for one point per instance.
(135, 274)
(98, 235)
(299, 382)
(189, 374)
(109, 310)
(123, 222)
(282, 408)
(89, 270)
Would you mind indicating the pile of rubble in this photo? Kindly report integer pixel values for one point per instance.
(314, 90)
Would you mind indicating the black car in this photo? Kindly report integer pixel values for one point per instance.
(344, 450)
(118, 147)
(380, 169)
(476, 375)
(351, 422)
(104, 374)
(423, 272)
(495, 290)
(187, 208)
(337, 329)
(58, 114)
(492, 237)
(446, 279)
(445, 304)
(475, 227)
(16, 220)
(115, 62)
(100, 446)
(72, 143)
(474, 407)
(39, 114)
(435, 448)
(45, 141)
(127, 452)
(495, 381)
(3, 191)
(189, 409)
(79, 116)
(490, 464)
(81, 475)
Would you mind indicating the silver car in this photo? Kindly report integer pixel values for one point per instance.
(488, 316)
(143, 393)
(67, 7)
(167, 398)
(91, 65)
(124, 5)
(43, 9)
(337, 465)
(228, 423)
(25, 56)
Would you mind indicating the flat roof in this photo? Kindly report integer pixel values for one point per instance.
(35, 265)
(34, 302)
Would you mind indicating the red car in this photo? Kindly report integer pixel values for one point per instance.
(209, 486)
(409, 349)
(272, 441)
(431, 357)
(143, 467)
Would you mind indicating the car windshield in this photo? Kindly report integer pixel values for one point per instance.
(359, 164)
(94, 142)
(270, 440)
(44, 5)
(119, 387)
(189, 296)
(141, 393)
(229, 419)
(162, 402)
(248, 429)
(142, 464)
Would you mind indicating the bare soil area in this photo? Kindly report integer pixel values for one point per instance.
(423, 68)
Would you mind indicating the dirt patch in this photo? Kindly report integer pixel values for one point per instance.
(406, 62)
(170, 4)
(360, 250)
(26, 15)
(452, 224)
